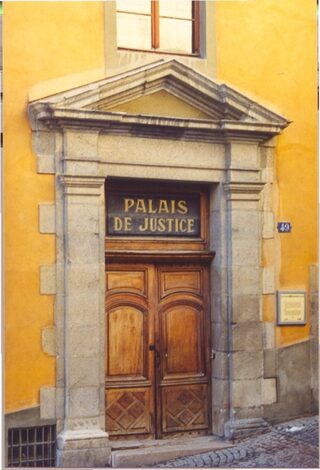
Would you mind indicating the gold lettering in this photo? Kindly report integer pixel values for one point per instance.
(170, 223)
(127, 224)
(173, 206)
(141, 206)
(151, 209)
(190, 225)
(162, 225)
(128, 203)
(163, 206)
(153, 224)
(183, 225)
(117, 224)
(182, 207)
(143, 227)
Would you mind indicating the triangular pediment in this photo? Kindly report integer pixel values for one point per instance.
(165, 93)
(180, 82)
(160, 103)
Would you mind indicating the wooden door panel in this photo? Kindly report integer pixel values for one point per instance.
(127, 281)
(163, 389)
(181, 341)
(125, 339)
(177, 281)
(185, 408)
(128, 411)
(129, 366)
(183, 335)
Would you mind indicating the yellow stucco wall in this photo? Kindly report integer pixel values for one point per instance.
(52, 46)
(267, 48)
(42, 40)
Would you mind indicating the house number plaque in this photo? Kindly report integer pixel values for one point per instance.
(153, 215)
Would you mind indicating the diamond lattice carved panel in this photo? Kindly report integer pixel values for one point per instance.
(127, 412)
(185, 409)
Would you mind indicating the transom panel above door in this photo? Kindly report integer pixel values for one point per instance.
(157, 350)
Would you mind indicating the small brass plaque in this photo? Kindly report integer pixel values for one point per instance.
(291, 308)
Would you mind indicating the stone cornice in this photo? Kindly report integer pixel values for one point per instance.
(80, 185)
(154, 126)
(243, 191)
(231, 115)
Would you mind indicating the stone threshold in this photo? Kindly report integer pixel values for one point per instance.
(140, 453)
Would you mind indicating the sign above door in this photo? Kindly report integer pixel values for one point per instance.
(158, 214)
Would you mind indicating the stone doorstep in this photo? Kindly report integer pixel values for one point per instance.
(142, 453)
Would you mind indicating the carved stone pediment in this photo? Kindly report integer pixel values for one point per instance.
(210, 110)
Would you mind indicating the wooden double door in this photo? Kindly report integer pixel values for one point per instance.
(157, 350)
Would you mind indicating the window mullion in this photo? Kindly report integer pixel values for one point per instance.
(195, 27)
(155, 27)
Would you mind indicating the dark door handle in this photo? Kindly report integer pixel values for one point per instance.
(152, 347)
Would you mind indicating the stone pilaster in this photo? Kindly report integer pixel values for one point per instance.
(244, 325)
(82, 441)
(219, 325)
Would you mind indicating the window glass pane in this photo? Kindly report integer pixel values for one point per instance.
(133, 31)
(136, 6)
(176, 36)
(176, 8)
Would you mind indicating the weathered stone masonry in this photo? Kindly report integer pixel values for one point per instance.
(78, 139)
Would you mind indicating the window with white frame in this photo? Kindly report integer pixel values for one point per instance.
(159, 25)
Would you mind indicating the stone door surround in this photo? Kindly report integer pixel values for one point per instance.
(79, 139)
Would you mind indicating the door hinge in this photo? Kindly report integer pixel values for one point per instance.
(212, 354)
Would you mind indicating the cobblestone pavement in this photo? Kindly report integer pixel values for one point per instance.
(293, 444)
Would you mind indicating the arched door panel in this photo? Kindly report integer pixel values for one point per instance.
(181, 337)
(129, 323)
